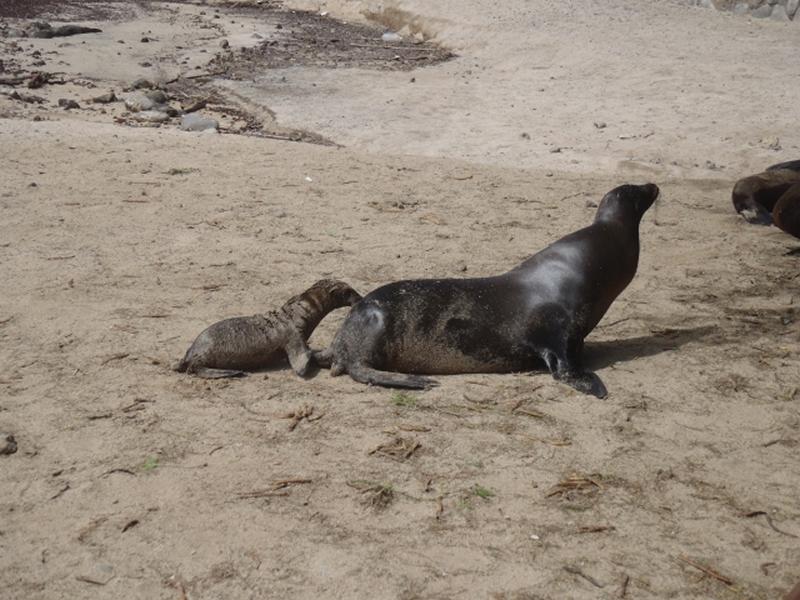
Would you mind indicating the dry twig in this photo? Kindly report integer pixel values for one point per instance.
(399, 448)
(707, 570)
(574, 482)
(757, 513)
(579, 573)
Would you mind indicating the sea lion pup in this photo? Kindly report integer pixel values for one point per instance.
(230, 347)
(755, 197)
(543, 309)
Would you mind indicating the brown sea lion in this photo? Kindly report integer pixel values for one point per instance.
(232, 346)
(754, 197)
(541, 310)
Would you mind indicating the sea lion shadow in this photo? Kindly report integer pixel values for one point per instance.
(599, 355)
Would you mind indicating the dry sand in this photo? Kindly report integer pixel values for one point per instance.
(119, 244)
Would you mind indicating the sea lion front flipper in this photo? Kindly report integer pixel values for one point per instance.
(567, 368)
(298, 353)
(209, 373)
(323, 358)
(586, 382)
(364, 374)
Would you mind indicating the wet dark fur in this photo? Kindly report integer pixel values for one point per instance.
(541, 310)
(756, 197)
(230, 347)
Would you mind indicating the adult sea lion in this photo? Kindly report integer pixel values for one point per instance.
(542, 309)
(754, 197)
(232, 346)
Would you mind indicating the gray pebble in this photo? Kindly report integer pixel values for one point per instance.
(762, 11)
(195, 122)
(138, 101)
(151, 116)
(105, 98)
(8, 445)
(779, 13)
(157, 96)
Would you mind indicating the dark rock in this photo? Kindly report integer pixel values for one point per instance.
(29, 98)
(68, 104)
(157, 96)
(224, 44)
(8, 445)
(38, 80)
(142, 84)
(42, 30)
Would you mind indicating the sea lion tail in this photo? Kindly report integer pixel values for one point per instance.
(364, 374)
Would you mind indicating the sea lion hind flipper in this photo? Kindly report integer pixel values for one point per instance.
(364, 374)
(209, 373)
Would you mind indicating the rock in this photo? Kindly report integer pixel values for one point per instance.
(791, 8)
(762, 11)
(157, 96)
(98, 574)
(29, 98)
(391, 36)
(105, 98)
(68, 104)
(8, 445)
(773, 144)
(151, 116)
(741, 8)
(145, 40)
(600, 125)
(195, 122)
(142, 84)
(166, 108)
(38, 80)
(138, 101)
(224, 44)
(779, 13)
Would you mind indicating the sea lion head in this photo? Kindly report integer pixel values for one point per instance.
(337, 292)
(627, 201)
